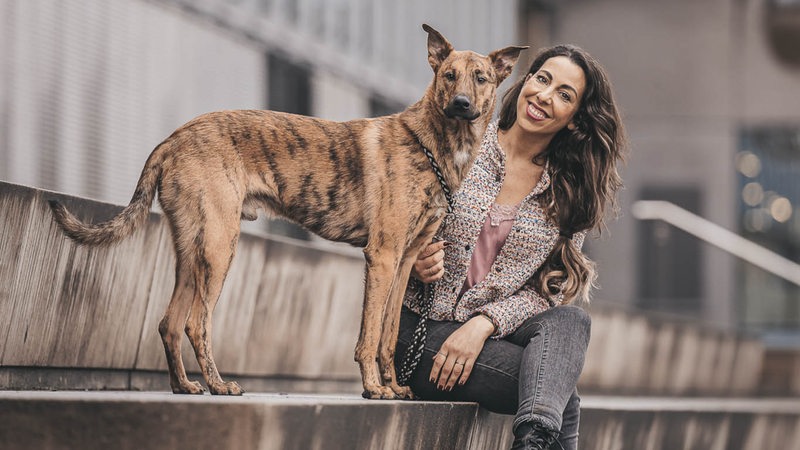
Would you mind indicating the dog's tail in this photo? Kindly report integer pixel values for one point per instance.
(124, 223)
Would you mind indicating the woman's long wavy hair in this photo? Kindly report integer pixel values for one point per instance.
(583, 168)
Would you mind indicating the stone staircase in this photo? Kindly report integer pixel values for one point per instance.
(83, 321)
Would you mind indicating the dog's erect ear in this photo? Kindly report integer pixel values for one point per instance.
(503, 61)
(438, 47)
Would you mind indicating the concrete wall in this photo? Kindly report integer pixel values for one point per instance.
(289, 313)
(288, 308)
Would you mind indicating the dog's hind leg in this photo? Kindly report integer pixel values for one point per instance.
(219, 235)
(171, 329)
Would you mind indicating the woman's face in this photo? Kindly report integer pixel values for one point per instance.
(550, 97)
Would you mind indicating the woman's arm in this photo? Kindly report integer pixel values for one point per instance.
(509, 313)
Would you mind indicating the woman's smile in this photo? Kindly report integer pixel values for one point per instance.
(536, 113)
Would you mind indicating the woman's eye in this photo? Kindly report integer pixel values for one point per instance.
(565, 96)
(450, 76)
(541, 79)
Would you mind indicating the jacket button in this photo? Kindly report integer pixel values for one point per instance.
(498, 269)
(466, 247)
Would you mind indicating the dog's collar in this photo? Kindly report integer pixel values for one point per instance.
(438, 171)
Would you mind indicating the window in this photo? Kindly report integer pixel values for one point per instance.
(783, 29)
(768, 166)
(670, 260)
(379, 106)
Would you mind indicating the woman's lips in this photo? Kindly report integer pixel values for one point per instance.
(535, 113)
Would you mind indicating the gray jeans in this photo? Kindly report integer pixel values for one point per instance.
(531, 373)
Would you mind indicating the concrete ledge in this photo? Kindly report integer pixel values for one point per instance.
(124, 420)
(690, 424)
(289, 308)
(128, 420)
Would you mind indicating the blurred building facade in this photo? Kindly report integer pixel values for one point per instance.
(708, 91)
(89, 87)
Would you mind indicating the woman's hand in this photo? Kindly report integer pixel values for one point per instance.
(457, 355)
(429, 265)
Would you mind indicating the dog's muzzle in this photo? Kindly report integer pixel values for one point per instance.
(461, 108)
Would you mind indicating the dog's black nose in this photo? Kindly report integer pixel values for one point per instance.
(461, 102)
(461, 108)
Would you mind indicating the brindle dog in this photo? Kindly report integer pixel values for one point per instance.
(366, 182)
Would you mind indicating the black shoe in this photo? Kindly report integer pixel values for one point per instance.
(534, 436)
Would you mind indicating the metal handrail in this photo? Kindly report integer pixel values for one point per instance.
(718, 236)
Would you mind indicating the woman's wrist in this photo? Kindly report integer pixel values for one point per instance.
(485, 324)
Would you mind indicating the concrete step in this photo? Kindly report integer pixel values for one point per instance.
(666, 423)
(154, 420)
(160, 420)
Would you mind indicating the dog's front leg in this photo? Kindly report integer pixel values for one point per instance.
(424, 233)
(382, 265)
(391, 324)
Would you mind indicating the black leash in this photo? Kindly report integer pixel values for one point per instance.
(438, 171)
(424, 293)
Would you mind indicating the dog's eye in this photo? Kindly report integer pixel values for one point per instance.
(481, 79)
(450, 76)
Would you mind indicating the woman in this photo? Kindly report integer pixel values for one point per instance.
(508, 262)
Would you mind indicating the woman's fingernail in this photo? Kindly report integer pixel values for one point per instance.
(447, 243)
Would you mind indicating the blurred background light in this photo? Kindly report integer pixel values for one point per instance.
(753, 194)
(748, 164)
(781, 209)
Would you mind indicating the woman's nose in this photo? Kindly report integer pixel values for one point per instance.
(544, 96)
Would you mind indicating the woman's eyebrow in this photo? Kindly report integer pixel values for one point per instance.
(566, 86)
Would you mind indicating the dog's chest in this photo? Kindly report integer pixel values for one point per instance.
(462, 158)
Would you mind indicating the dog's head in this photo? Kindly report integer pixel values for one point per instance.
(465, 82)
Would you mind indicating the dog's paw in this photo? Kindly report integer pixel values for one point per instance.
(189, 387)
(379, 392)
(402, 392)
(226, 388)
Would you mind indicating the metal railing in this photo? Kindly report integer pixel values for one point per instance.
(718, 236)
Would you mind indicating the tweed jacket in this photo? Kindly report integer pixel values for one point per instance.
(505, 296)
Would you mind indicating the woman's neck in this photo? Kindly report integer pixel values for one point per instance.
(520, 144)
